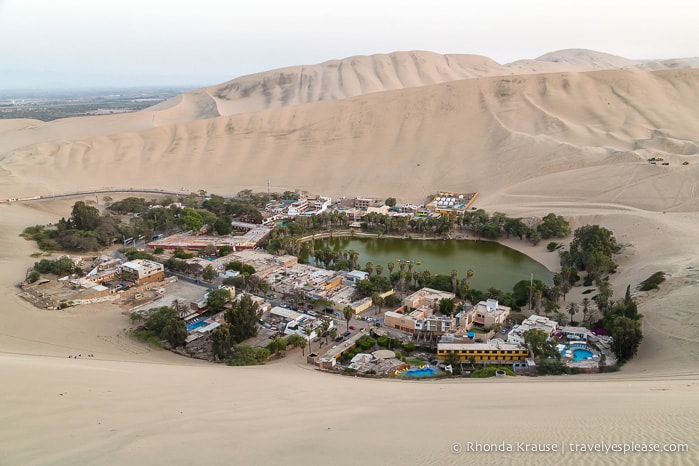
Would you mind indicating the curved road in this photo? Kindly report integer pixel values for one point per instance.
(96, 191)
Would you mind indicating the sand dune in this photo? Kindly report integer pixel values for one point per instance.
(502, 130)
(568, 140)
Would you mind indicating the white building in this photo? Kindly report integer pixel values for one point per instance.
(575, 333)
(546, 325)
(355, 276)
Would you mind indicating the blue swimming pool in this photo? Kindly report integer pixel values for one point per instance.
(195, 325)
(580, 354)
(420, 373)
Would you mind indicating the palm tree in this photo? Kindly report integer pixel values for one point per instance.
(572, 310)
(308, 330)
(604, 296)
(586, 310)
(369, 268)
(377, 300)
(402, 280)
(391, 266)
(469, 275)
(379, 269)
(561, 318)
(566, 273)
(537, 301)
(354, 259)
(454, 281)
(348, 312)
(323, 327)
(332, 333)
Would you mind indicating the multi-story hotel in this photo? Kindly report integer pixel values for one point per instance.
(490, 352)
(142, 271)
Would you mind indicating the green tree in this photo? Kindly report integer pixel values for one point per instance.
(277, 346)
(165, 323)
(209, 273)
(553, 226)
(572, 310)
(84, 217)
(221, 342)
(446, 306)
(308, 330)
(222, 226)
(193, 220)
(243, 319)
(540, 345)
(391, 202)
(297, 341)
(592, 249)
(377, 300)
(627, 335)
(218, 298)
(322, 328)
(245, 355)
(174, 332)
(348, 312)
(332, 333)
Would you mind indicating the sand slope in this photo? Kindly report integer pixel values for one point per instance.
(486, 134)
(572, 139)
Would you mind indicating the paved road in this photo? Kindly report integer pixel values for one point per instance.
(88, 193)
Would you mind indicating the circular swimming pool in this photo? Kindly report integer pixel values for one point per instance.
(581, 354)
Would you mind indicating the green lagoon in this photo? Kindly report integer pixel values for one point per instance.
(494, 265)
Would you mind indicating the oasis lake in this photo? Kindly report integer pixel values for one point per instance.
(494, 265)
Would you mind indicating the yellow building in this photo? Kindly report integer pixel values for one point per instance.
(491, 352)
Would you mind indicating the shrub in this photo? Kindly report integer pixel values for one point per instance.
(245, 355)
(180, 254)
(490, 371)
(551, 367)
(552, 246)
(408, 347)
(146, 336)
(366, 342)
(652, 282)
(33, 276)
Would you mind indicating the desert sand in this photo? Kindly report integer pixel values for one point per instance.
(571, 139)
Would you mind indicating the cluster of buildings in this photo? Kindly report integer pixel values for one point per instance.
(513, 349)
(303, 206)
(418, 316)
(448, 203)
(355, 208)
(251, 239)
(105, 279)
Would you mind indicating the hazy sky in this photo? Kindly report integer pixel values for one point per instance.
(56, 43)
